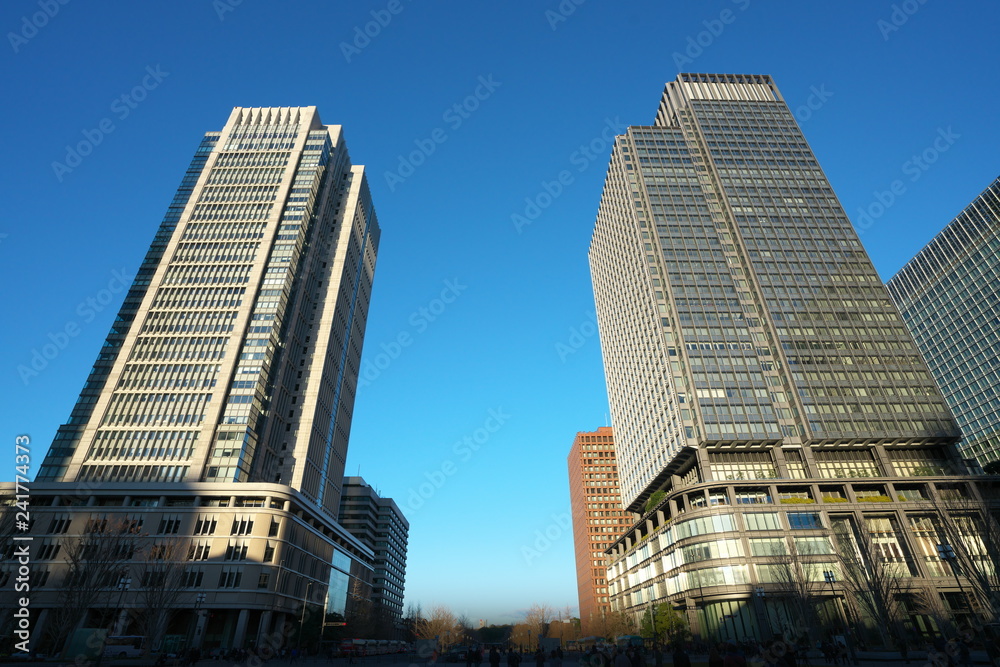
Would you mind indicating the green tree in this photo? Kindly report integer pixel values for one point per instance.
(670, 626)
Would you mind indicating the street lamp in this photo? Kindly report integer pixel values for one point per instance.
(123, 585)
(830, 577)
(198, 601)
(947, 554)
(761, 595)
(302, 618)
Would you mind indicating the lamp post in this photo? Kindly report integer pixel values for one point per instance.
(947, 554)
(198, 601)
(761, 595)
(123, 585)
(302, 618)
(830, 577)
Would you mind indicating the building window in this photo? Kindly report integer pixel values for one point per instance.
(242, 525)
(845, 463)
(742, 465)
(236, 550)
(762, 521)
(199, 550)
(169, 525)
(192, 578)
(804, 520)
(205, 525)
(48, 551)
(752, 497)
(230, 577)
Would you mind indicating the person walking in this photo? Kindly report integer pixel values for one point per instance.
(680, 657)
(513, 658)
(539, 657)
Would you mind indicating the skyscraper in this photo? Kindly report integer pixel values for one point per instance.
(215, 422)
(598, 521)
(754, 361)
(379, 523)
(235, 355)
(949, 296)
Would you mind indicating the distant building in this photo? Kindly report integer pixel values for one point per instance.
(379, 524)
(598, 521)
(949, 297)
(217, 414)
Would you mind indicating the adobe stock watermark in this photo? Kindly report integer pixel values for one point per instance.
(59, 339)
(817, 98)
(363, 35)
(915, 168)
(578, 337)
(122, 107)
(544, 539)
(562, 12)
(30, 25)
(696, 44)
(898, 17)
(223, 7)
(584, 156)
(454, 116)
(463, 450)
(419, 320)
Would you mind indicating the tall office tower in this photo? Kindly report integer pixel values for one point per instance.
(598, 521)
(226, 383)
(379, 523)
(949, 296)
(236, 353)
(754, 361)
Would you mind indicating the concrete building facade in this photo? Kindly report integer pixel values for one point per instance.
(761, 377)
(380, 525)
(598, 522)
(228, 381)
(949, 296)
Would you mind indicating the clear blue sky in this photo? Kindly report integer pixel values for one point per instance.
(880, 95)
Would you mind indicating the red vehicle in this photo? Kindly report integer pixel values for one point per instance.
(355, 647)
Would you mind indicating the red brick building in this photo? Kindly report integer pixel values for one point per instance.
(598, 520)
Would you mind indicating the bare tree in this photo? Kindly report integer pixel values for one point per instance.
(160, 575)
(972, 533)
(618, 623)
(537, 619)
(97, 563)
(795, 583)
(872, 579)
(441, 624)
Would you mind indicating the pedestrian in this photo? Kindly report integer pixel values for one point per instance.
(513, 658)
(681, 658)
(539, 657)
(470, 656)
(494, 657)
(733, 657)
(715, 658)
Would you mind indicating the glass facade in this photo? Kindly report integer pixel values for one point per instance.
(758, 373)
(949, 296)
